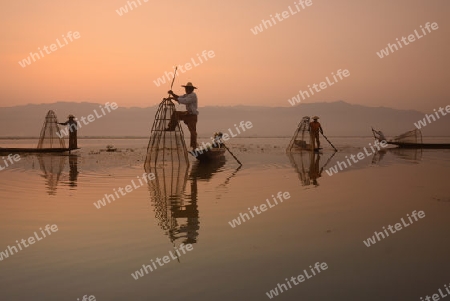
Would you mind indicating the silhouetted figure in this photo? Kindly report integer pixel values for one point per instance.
(314, 168)
(73, 171)
(314, 129)
(189, 116)
(73, 127)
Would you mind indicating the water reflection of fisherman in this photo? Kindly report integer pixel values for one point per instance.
(73, 172)
(314, 168)
(73, 127)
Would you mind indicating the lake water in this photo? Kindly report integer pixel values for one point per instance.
(96, 249)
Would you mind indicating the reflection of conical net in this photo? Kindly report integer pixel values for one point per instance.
(301, 136)
(51, 166)
(308, 166)
(49, 137)
(298, 163)
(166, 148)
(176, 215)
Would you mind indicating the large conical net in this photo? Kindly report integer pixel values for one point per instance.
(413, 137)
(166, 148)
(301, 138)
(410, 137)
(49, 134)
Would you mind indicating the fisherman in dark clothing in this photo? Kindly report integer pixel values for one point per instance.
(315, 128)
(73, 127)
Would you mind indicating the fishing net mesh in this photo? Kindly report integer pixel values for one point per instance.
(413, 137)
(167, 158)
(301, 138)
(49, 133)
(51, 167)
(167, 197)
(166, 148)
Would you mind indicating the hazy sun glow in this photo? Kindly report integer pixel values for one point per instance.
(118, 55)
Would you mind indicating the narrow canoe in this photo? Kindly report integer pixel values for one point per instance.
(34, 150)
(421, 145)
(211, 154)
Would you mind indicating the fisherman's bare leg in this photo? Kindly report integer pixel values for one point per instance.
(317, 138)
(191, 121)
(312, 141)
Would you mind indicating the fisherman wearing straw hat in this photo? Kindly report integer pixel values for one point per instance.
(190, 115)
(314, 129)
(73, 127)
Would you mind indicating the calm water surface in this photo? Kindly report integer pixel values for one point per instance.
(95, 251)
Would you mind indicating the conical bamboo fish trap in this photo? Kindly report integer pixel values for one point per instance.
(301, 138)
(166, 148)
(49, 133)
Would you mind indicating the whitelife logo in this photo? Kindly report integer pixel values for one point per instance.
(430, 117)
(265, 24)
(398, 226)
(90, 118)
(319, 87)
(124, 9)
(187, 66)
(49, 49)
(31, 241)
(411, 38)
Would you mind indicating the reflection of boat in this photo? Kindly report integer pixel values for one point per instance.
(409, 154)
(206, 171)
(410, 139)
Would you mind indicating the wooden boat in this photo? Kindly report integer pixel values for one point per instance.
(421, 145)
(211, 154)
(34, 150)
(302, 145)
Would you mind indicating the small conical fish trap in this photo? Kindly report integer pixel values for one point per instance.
(49, 134)
(301, 138)
(166, 147)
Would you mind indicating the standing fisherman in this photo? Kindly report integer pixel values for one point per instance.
(314, 129)
(73, 127)
(189, 116)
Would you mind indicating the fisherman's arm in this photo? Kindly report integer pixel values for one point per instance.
(174, 96)
(187, 99)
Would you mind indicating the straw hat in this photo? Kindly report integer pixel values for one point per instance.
(315, 117)
(189, 84)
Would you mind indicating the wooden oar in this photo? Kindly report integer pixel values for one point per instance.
(231, 153)
(329, 142)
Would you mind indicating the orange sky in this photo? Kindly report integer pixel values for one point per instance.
(117, 58)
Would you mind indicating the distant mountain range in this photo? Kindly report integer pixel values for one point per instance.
(338, 119)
